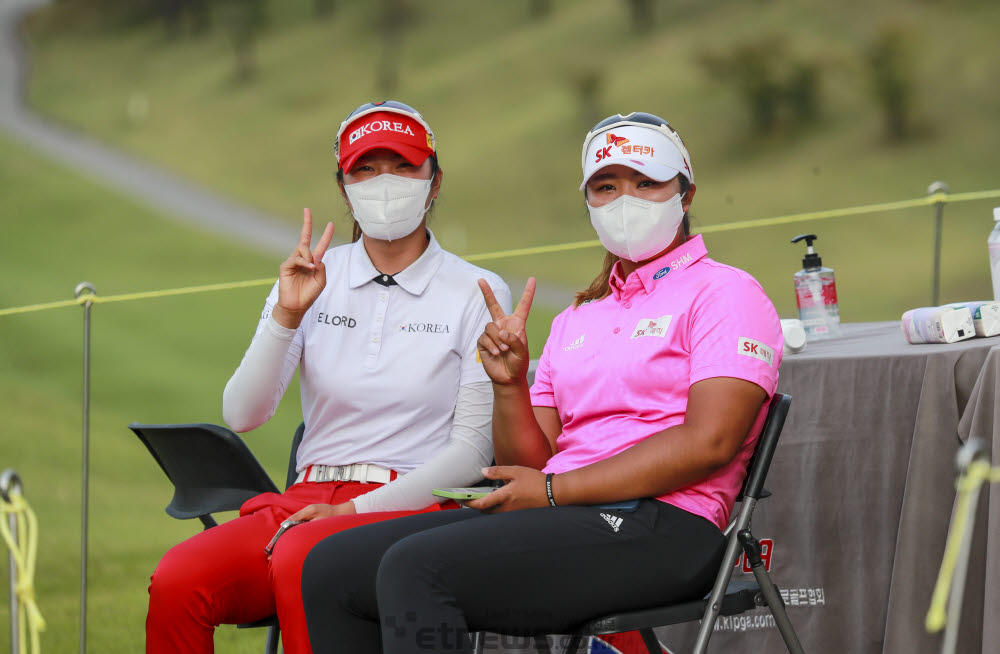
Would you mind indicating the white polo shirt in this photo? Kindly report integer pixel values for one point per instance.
(380, 366)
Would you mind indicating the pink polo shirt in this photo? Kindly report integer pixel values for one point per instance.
(618, 370)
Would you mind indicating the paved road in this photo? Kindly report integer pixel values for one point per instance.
(177, 198)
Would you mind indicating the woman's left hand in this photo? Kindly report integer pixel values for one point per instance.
(319, 511)
(524, 488)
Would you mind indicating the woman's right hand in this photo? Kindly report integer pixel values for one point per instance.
(302, 277)
(503, 346)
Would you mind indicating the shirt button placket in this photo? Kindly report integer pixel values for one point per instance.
(375, 335)
(628, 305)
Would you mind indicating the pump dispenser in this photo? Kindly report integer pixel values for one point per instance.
(816, 294)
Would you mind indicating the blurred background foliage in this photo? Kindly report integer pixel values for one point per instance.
(786, 106)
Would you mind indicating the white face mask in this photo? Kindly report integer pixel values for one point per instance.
(389, 206)
(637, 229)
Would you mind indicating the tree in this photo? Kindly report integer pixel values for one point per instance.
(892, 80)
(173, 13)
(540, 9)
(393, 17)
(778, 87)
(323, 8)
(587, 84)
(640, 15)
(244, 21)
(751, 67)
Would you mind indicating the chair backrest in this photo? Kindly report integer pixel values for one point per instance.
(739, 528)
(211, 468)
(767, 442)
(292, 474)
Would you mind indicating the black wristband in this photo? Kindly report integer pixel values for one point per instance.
(548, 488)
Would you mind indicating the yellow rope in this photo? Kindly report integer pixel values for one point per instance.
(936, 198)
(968, 485)
(809, 216)
(541, 249)
(30, 620)
(38, 307)
(125, 297)
(831, 213)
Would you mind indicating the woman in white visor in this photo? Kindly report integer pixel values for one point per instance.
(383, 333)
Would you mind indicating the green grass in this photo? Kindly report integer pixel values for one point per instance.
(499, 90)
(154, 361)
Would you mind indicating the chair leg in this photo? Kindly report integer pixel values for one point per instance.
(651, 641)
(208, 521)
(770, 592)
(714, 604)
(273, 637)
(573, 645)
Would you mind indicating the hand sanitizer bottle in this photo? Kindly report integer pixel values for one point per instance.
(816, 294)
(994, 245)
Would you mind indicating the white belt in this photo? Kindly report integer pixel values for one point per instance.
(366, 473)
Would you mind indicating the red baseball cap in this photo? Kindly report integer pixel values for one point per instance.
(391, 125)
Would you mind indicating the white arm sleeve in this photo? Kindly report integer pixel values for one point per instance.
(255, 389)
(459, 464)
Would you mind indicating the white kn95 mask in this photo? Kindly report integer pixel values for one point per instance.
(389, 206)
(636, 229)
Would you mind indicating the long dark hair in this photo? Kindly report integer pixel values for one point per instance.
(600, 288)
(356, 230)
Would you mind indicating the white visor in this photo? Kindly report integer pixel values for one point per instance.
(639, 148)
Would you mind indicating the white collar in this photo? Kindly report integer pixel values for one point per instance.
(413, 279)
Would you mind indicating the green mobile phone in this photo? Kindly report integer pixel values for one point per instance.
(473, 493)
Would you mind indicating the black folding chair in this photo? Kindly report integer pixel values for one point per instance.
(727, 597)
(213, 470)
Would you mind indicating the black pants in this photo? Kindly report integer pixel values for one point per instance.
(434, 577)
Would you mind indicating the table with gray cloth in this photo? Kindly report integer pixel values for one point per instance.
(864, 484)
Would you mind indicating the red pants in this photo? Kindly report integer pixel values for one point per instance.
(223, 576)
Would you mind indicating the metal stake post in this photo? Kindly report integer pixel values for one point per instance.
(85, 288)
(10, 484)
(937, 187)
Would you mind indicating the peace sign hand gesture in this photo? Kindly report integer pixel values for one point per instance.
(302, 276)
(503, 346)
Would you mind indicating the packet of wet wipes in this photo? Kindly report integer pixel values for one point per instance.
(985, 316)
(938, 325)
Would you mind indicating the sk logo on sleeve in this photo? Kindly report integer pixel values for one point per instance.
(751, 348)
(652, 327)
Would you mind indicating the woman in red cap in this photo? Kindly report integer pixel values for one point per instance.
(383, 333)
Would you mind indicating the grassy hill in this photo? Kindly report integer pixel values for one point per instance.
(162, 360)
(501, 90)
